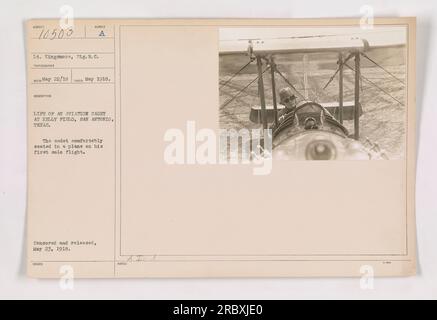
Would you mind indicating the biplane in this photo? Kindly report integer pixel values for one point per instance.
(313, 130)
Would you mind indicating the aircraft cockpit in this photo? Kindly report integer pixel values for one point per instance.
(309, 115)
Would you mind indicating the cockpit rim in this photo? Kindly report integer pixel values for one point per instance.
(328, 117)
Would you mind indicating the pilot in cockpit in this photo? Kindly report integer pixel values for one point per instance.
(288, 99)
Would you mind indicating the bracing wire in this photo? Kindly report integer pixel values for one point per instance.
(242, 90)
(235, 74)
(375, 85)
(380, 66)
(336, 71)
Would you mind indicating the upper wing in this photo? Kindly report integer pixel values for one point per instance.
(309, 44)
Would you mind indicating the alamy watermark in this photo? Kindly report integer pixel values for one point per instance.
(367, 278)
(66, 281)
(367, 18)
(225, 147)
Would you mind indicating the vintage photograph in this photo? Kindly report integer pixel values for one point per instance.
(331, 93)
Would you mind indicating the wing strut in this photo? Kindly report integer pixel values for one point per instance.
(340, 87)
(275, 105)
(357, 96)
(261, 92)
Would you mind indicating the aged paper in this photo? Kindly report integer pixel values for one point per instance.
(132, 170)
